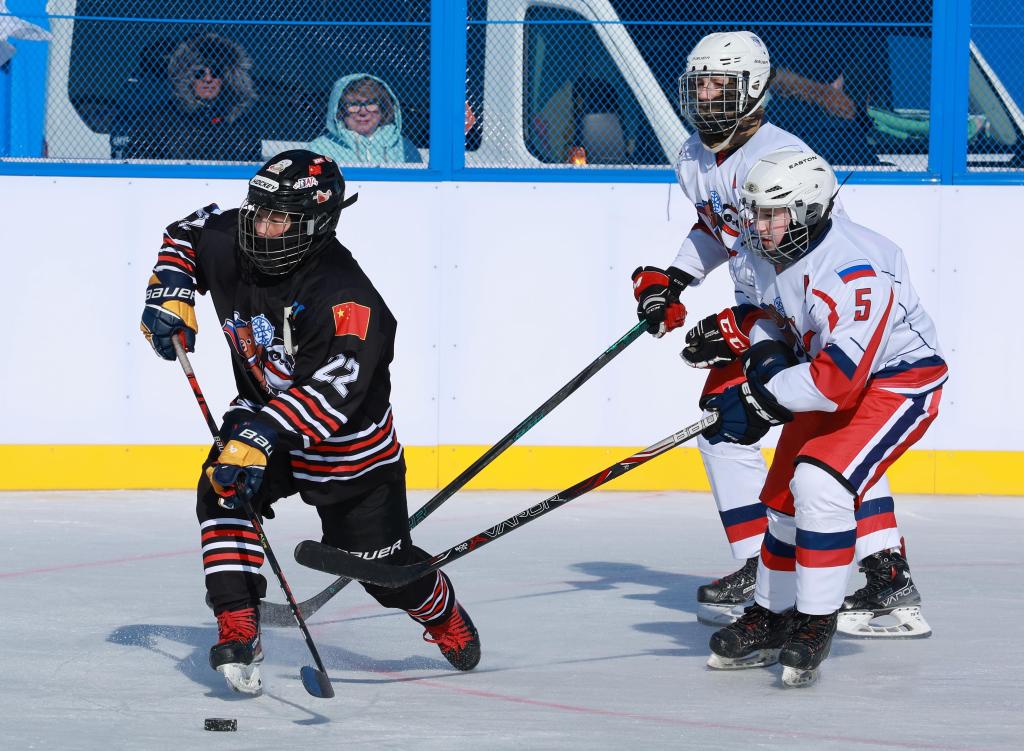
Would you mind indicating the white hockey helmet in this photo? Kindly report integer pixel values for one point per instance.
(726, 76)
(786, 199)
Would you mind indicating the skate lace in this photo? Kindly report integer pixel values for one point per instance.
(877, 580)
(748, 571)
(812, 630)
(453, 634)
(236, 625)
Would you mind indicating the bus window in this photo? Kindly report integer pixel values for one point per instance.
(578, 108)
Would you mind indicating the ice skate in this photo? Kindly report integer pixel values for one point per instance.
(753, 641)
(457, 638)
(888, 606)
(238, 654)
(723, 601)
(805, 650)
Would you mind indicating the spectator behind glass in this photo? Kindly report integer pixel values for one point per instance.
(208, 116)
(364, 124)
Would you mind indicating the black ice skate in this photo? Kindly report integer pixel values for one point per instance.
(805, 649)
(457, 638)
(753, 641)
(238, 654)
(889, 605)
(722, 601)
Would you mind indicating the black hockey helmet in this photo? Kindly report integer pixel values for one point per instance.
(291, 210)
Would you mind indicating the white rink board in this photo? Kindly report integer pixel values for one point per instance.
(503, 291)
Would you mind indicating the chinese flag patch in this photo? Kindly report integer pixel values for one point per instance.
(351, 318)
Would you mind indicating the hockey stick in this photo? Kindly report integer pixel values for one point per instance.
(315, 680)
(332, 560)
(274, 614)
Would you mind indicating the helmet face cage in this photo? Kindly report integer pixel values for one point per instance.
(760, 225)
(283, 240)
(291, 211)
(723, 109)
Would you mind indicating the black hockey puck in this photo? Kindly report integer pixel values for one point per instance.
(220, 723)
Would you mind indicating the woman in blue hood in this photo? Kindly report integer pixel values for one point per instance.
(364, 124)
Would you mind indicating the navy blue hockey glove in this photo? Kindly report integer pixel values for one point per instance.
(747, 412)
(765, 360)
(170, 309)
(238, 471)
(657, 296)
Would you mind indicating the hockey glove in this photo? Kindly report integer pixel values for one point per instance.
(170, 308)
(748, 411)
(765, 360)
(238, 471)
(657, 295)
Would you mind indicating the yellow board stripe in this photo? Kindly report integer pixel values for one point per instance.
(520, 468)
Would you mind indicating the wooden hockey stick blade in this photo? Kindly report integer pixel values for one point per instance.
(316, 682)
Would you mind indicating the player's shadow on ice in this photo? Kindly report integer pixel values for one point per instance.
(674, 591)
(280, 648)
(671, 590)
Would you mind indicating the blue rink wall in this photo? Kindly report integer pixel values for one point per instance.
(503, 292)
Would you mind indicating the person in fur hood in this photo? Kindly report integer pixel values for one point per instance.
(208, 116)
(364, 124)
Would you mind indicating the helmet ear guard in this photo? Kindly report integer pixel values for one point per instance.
(291, 211)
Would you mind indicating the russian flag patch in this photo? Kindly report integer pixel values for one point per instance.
(856, 270)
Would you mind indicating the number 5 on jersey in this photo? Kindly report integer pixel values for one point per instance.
(863, 299)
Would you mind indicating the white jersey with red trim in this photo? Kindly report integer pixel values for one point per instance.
(853, 310)
(712, 185)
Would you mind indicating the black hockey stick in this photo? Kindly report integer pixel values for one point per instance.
(315, 680)
(332, 560)
(279, 615)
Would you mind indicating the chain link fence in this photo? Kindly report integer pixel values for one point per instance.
(995, 141)
(554, 84)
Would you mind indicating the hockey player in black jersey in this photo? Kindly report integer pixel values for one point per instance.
(311, 344)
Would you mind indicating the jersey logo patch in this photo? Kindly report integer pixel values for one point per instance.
(351, 318)
(856, 270)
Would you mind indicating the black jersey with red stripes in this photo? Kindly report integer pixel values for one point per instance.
(311, 352)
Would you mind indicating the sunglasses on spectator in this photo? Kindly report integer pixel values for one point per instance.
(352, 106)
(200, 73)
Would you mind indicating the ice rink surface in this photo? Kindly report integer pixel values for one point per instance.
(586, 618)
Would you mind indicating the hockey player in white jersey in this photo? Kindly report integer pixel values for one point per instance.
(868, 389)
(721, 94)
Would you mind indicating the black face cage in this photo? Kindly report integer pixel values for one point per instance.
(794, 243)
(718, 115)
(275, 256)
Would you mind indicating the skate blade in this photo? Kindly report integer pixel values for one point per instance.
(245, 679)
(899, 623)
(757, 659)
(797, 678)
(720, 615)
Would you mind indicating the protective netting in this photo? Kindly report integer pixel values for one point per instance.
(152, 80)
(995, 134)
(556, 84)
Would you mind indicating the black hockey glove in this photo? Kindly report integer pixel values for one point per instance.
(238, 470)
(719, 339)
(748, 411)
(170, 309)
(657, 295)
